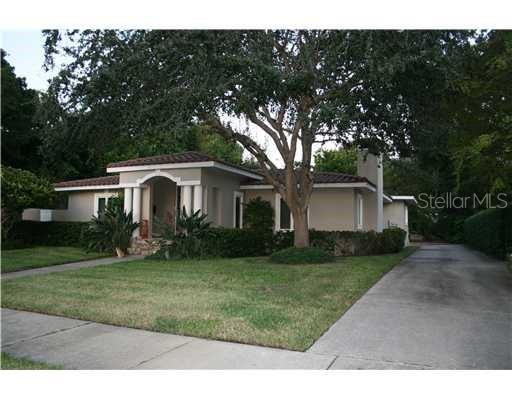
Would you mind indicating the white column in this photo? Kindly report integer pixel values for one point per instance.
(187, 198)
(137, 197)
(380, 195)
(198, 198)
(128, 200)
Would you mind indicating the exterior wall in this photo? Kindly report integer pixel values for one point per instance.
(80, 206)
(329, 209)
(183, 174)
(226, 184)
(369, 211)
(332, 210)
(394, 215)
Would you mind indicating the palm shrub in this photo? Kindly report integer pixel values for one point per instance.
(110, 231)
(190, 238)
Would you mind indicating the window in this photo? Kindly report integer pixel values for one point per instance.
(283, 216)
(62, 202)
(360, 206)
(101, 201)
(178, 201)
(238, 199)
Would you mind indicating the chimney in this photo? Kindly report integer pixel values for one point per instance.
(369, 165)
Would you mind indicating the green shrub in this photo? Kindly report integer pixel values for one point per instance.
(192, 238)
(259, 215)
(308, 255)
(490, 231)
(110, 231)
(20, 190)
(34, 233)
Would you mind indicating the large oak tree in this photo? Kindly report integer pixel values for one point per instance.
(297, 88)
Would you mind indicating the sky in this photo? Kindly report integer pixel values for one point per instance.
(25, 52)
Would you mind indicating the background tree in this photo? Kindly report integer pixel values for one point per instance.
(295, 87)
(20, 190)
(341, 160)
(20, 135)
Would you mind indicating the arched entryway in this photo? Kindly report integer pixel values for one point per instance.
(164, 200)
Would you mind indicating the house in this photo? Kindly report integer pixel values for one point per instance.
(156, 188)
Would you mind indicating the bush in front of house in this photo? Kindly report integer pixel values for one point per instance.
(307, 255)
(110, 231)
(20, 190)
(34, 233)
(258, 215)
(490, 231)
(348, 243)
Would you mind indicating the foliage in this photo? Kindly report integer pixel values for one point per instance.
(482, 143)
(490, 231)
(298, 87)
(258, 215)
(209, 142)
(341, 160)
(192, 232)
(19, 130)
(348, 243)
(20, 190)
(110, 231)
(34, 233)
(294, 255)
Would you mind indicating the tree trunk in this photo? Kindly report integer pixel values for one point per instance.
(300, 228)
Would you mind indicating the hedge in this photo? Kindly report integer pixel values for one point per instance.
(34, 233)
(223, 242)
(490, 231)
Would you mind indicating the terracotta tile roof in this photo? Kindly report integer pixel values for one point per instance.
(186, 157)
(100, 181)
(322, 177)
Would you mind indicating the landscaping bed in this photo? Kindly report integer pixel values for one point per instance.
(247, 300)
(43, 256)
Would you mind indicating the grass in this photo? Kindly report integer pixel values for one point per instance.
(248, 300)
(10, 362)
(43, 256)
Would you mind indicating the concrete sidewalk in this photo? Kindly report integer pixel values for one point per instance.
(75, 344)
(69, 266)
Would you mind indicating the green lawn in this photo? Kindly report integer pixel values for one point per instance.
(245, 300)
(10, 362)
(36, 257)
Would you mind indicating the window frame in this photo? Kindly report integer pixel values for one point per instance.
(360, 212)
(277, 216)
(107, 196)
(240, 195)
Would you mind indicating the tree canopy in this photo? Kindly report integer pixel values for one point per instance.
(20, 134)
(296, 88)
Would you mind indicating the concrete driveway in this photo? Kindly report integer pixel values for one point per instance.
(445, 307)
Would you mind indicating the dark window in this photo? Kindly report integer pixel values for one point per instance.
(178, 201)
(238, 222)
(285, 220)
(62, 202)
(102, 202)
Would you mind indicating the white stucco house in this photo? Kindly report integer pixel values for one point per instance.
(156, 188)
